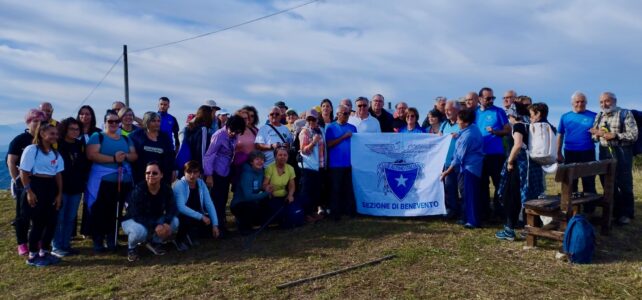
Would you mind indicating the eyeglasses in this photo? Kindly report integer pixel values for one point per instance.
(489, 98)
(508, 97)
(275, 114)
(112, 122)
(151, 173)
(362, 105)
(345, 114)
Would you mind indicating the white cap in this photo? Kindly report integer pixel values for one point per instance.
(221, 112)
(212, 103)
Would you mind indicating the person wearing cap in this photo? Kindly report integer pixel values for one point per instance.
(284, 108)
(221, 117)
(291, 116)
(313, 154)
(212, 104)
(168, 124)
(272, 135)
(519, 176)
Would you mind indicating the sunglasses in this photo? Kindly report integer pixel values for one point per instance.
(112, 122)
(151, 173)
(275, 114)
(489, 98)
(362, 105)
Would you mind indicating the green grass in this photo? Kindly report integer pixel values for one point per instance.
(435, 259)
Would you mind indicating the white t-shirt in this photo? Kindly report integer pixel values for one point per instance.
(366, 125)
(267, 135)
(37, 162)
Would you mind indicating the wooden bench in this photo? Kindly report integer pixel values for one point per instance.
(563, 207)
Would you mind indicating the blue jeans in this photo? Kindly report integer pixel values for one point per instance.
(469, 183)
(623, 205)
(138, 234)
(66, 221)
(451, 188)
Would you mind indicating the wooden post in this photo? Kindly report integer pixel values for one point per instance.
(126, 75)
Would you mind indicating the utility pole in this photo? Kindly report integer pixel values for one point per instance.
(126, 76)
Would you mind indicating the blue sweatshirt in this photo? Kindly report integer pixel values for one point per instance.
(181, 194)
(249, 187)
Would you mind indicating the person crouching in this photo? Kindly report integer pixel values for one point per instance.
(151, 214)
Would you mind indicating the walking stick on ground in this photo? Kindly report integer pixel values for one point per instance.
(332, 273)
(248, 243)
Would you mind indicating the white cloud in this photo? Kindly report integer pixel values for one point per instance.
(406, 50)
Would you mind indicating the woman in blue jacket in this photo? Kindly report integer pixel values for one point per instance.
(197, 215)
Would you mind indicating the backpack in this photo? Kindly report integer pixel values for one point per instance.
(637, 116)
(542, 143)
(293, 215)
(579, 240)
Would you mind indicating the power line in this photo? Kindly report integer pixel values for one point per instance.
(101, 81)
(227, 28)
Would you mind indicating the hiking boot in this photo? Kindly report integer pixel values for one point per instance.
(23, 249)
(155, 248)
(37, 261)
(506, 234)
(469, 226)
(132, 255)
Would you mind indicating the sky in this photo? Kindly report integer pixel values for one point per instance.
(408, 51)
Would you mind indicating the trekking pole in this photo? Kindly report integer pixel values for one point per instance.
(120, 177)
(248, 243)
(332, 273)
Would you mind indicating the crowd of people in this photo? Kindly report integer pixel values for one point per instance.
(159, 183)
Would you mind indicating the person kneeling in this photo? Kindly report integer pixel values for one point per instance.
(151, 213)
(193, 201)
(249, 197)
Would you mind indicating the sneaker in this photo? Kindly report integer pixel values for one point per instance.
(506, 234)
(469, 226)
(132, 255)
(52, 260)
(59, 253)
(624, 220)
(156, 249)
(180, 246)
(37, 261)
(23, 249)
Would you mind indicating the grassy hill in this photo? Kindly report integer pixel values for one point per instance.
(435, 259)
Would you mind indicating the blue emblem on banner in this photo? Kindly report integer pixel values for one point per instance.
(398, 177)
(401, 178)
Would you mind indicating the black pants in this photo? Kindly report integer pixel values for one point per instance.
(195, 228)
(512, 199)
(44, 215)
(310, 191)
(588, 183)
(103, 214)
(248, 214)
(341, 195)
(492, 167)
(219, 193)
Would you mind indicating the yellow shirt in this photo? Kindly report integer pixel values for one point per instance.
(279, 182)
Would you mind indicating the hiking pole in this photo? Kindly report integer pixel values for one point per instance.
(120, 177)
(248, 243)
(332, 273)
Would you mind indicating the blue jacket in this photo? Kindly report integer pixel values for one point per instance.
(249, 187)
(181, 193)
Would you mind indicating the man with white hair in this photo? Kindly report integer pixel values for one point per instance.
(347, 103)
(47, 108)
(450, 126)
(575, 138)
(376, 111)
(273, 135)
(362, 119)
(400, 116)
(616, 131)
(509, 99)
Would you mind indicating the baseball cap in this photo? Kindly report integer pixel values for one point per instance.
(280, 104)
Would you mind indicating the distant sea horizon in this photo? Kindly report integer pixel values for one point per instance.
(5, 179)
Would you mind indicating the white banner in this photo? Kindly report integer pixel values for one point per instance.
(397, 174)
